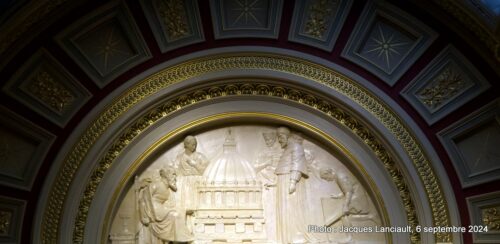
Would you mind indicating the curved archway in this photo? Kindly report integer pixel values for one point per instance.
(353, 106)
(70, 70)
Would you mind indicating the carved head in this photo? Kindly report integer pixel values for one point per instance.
(327, 174)
(297, 137)
(269, 138)
(283, 135)
(190, 144)
(171, 177)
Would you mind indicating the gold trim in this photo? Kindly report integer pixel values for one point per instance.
(198, 67)
(379, 201)
(247, 89)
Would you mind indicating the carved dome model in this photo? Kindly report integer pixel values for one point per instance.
(229, 168)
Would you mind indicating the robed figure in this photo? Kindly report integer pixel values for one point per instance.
(162, 221)
(291, 172)
(190, 165)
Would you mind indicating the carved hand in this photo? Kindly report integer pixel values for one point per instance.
(292, 187)
(269, 185)
(337, 196)
(345, 209)
(191, 162)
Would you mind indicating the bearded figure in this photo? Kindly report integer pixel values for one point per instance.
(161, 220)
(291, 173)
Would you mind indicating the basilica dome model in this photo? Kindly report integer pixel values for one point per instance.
(229, 167)
(230, 199)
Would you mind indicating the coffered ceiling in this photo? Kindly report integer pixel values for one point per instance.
(62, 58)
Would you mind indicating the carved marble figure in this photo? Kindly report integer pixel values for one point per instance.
(262, 185)
(291, 172)
(161, 220)
(355, 204)
(190, 165)
(265, 166)
(268, 159)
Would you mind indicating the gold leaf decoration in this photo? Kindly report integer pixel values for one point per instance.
(50, 92)
(174, 18)
(181, 72)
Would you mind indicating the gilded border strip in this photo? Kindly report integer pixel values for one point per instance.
(245, 89)
(241, 115)
(178, 73)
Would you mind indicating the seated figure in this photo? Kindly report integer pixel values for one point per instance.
(161, 221)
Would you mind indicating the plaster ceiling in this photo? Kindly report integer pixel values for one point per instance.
(61, 58)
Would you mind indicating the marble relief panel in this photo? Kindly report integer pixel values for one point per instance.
(246, 183)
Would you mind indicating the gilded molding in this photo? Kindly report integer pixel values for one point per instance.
(246, 89)
(178, 73)
(491, 218)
